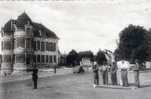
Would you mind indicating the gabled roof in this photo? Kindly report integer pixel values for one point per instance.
(24, 19)
(37, 27)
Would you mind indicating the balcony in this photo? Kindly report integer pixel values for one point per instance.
(22, 33)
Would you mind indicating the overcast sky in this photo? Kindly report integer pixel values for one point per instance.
(82, 24)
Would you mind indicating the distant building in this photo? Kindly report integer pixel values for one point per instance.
(148, 65)
(86, 58)
(26, 43)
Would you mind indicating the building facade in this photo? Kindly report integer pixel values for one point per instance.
(86, 58)
(25, 44)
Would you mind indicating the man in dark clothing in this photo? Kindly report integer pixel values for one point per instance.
(113, 73)
(136, 74)
(96, 74)
(35, 77)
(55, 69)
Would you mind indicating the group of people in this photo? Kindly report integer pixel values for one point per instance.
(118, 72)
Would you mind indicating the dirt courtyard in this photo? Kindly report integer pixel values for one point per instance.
(72, 86)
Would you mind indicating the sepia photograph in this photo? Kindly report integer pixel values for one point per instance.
(75, 49)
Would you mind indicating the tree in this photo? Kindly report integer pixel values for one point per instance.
(148, 44)
(100, 57)
(72, 58)
(132, 44)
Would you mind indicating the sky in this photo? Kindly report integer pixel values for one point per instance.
(82, 24)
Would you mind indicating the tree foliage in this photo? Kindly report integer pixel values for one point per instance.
(72, 58)
(148, 45)
(100, 57)
(132, 44)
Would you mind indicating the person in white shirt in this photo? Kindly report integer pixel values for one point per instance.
(119, 80)
(124, 68)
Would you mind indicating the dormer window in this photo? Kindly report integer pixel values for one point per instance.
(28, 29)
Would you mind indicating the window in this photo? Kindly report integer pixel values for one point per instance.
(6, 58)
(7, 33)
(54, 59)
(7, 45)
(20, 58)
(34, 58)
(38, 45)
(42, 58)
(47, 59)
(47, 46)
(50, 59)
(20, 42)
(42, 46)
(28, 59)
(51, 46)
(28, 43)
(28, 29)
(38, 58)
(34, 45)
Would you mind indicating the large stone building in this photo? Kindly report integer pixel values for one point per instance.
(26, 43)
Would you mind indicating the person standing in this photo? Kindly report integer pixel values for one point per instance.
(136, 73)
(119, 79)
(104, 70)
(35, 77)
(114, 73)
(124, 69)
(96, 74)
(55, 69)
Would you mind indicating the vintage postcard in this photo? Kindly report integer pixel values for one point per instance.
(75, 49)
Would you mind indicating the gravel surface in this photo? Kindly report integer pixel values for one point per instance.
(72, 86)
